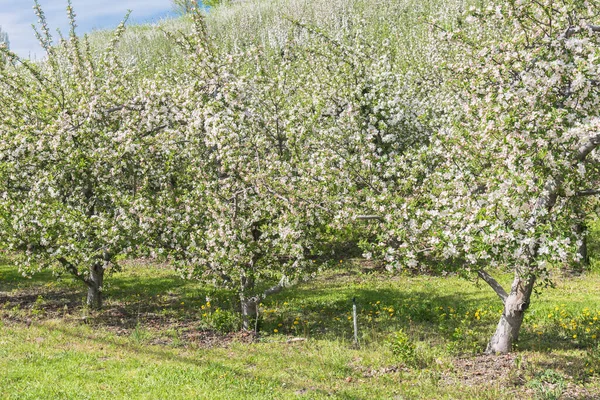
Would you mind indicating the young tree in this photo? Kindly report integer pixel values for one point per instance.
(373, 122)
(75, 149)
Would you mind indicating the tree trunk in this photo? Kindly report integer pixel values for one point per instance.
(248, 312)
(248, 303)
(511, 320)
(582, 251)
(94, 283)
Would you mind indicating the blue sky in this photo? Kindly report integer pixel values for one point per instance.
(16, 17)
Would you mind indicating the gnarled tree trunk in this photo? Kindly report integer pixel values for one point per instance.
(515, 304)
(94, 284)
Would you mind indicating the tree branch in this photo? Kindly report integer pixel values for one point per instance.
(588, 192)
(368, 217)
(594, 28)
(587, 148)
(72, 269)
(283, 283)
(493, 284)
(574, 29)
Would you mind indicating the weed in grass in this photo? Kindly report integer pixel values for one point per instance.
(37, 308)
(403, 347)
(139, 335)
(592, 360)
(222, 321)
(548, 385)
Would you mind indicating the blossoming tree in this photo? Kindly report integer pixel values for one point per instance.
(517, 148)
(248, 215)
(75, 142)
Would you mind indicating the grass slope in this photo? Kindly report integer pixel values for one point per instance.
(420, 337)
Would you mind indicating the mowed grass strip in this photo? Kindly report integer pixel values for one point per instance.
(163, 337)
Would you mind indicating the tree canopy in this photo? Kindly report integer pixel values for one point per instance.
(244, 164)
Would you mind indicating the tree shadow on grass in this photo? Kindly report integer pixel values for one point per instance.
(549, 340)
(567, 365)
(165, 301)
(130, 299)
(160, 300)
(11, 279)
(423, 314)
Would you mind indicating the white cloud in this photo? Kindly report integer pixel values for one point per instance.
(16, 17)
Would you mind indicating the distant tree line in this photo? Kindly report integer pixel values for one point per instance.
(4, 37)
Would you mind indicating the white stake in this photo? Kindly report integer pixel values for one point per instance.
(355, 321)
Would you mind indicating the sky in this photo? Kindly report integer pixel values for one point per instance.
(16, 17)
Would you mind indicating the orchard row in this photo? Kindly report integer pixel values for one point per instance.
(248, 165)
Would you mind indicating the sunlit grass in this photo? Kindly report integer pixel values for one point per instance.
(162, 336)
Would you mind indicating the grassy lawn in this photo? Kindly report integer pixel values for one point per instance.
(420, 337)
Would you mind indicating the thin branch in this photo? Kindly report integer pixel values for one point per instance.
(573, 29)
(283, 283)
(72, 269)
(493, 284)
(588, 192)
(279, 196)
(369, 217)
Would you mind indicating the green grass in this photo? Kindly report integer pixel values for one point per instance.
(160, 336)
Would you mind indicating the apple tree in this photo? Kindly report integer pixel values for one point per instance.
(75, 155)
